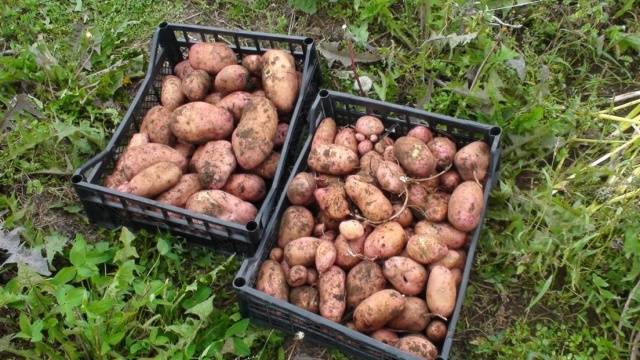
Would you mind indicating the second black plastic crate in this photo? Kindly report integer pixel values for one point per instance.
(345, 109)
(170, 45)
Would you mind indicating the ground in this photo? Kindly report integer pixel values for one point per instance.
(557, 270)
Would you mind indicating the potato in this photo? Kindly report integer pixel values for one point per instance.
(325, 255)
(285, 267)
(329, 235)
(373, 138)
(360, 137)
(300, 189)
(389, 176)
(214, 162)
(267, 169)
(235, 103)
(368, 198)
(422, 133)
(385, 241)
(436, 331)
(389, 154)
(472, 161)
(271, 280)
(325, 132)
(276, 254)
(368, 125)
(443, 150)
(171, 95)
(414, 156)
(465, 206)
(414, 317)
(184, 149)
(441, 291)
(365, 147)
(419, 346)
(253, 63)
(305, 297)
(178, 194)
(383, 144)
(213, 98)
(297, 222)
(363, 280)
(333, 201)
(331, 286)
(247, 187)
(138, 139)
(332, 159)
(137, 158)
(435, 208)
(211, 57)
(196, 85)
(351, 229)
(281, 134)
(347, 137)
(385, 336)
(405, 218)
(406, 275)
(348, 253)
(378, 309)
(450, 236)
(426, 248)
(279, 79)
(457, 275)
(231, 78)
(182, 69)
(297, 276)
(329, 223)
(370, 162)
(253, 138)
(114, 180)
(312, 276)
(450, 180)
(222, 205)
(198, 122)
(153, 180)
(301, 251)
(324, 180)
(155, 125)
(454, 259)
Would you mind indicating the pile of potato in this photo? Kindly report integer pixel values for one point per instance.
(375, 233)
(212, 144)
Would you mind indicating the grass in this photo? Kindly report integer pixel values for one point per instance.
(558, 264)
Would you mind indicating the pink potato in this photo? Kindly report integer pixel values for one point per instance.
(346, 137)
(211, 57)
(426, 248)
(198, 122)
(414, 156)
(443, 150)
(272, 281)
(235, 103)
(390, 177)
(333, 201)
(406, 275)
(180, 193)
(332, 159)
(378, 309)
(325, 255)
(385, 241)
(331, 286)
(441, 291)
(281, 134)
(422, 133)
(450, 180)
(182, 69)
(296, 222)
(450, 236)
(153, 180)
(195, 86)
(137, 158)
(472, 161)
(368, 125)
(280, 80)
(300, 189)
(325, 132)
(247, 187)
(267, 169)
(368, 198)
(222, 205)
(419, 346)
(214, 162)
(253, 63)
(231, 78)
(253, 137)
(171, 95)
(365, 147)
(213, 98)
(465, 206)
(155, 125)
(363, 280)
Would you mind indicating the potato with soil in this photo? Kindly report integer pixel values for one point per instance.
(305, 297)
(196, 85)
(443, 150)
(155, 125)
(450, 180)
(325, 132)
(453, 260)
(137, 158)
(426, 248)
(414, 156)
(182, 69)
(385, 241)
(153, 180)
(325, 255)
(370, 162)
(347, 137)
(363, 280)
(301, 251)
(385, 336)
(276, 254)
(405, 218)
(472, 161)
(378, 309)
(450, 236)
(198, 122)
(436, 331)
(297, 276)
(419, 346)
(247, 187)
(279, 79)
(235, 103)
(348, 253)
(213, 98)
(171, 95)
(351, 229)
(222, 205)
(373, 204)
(368, 125)
(211, 57)
(333, 201)
(389, 176)
(383, 144)
(214, 162)
(405, 274)
(333, 159)
(441, 291)
(414, 317)
(281, 134)
(331, 286)
(271, 280)
(435, 207)
(179, 193)
(253, 138)
(465, 206)
(231, 78)
(267, 169)
(296, 222)
(253, 63)
(300, 189)
(422, 133)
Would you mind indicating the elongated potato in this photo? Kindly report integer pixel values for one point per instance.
(426, 248)
(419, 346)
(253, 138)
(301, 251)
(253, 63)
(138, 158)
(406, 275)
(297, 276)
(297, 222)
(413, 317)
(441, 291)
(332, 159)
(182, 69)
(155, 125)
(363, 280)
(450, 180)
(389, 176)
(369, 125)
(370, 162)
(385, 241)
(222, 205)
(196, 85)
(305, 297)
(422, 133)
(333, 201)
(211, 57)
(450, 236)
(325, 132)
(214, 162)
(198, 122)
(153, 180)
(348, 253)
(378, 309)
(247, 187)
(271, 280)
(267, 169)
(436, 331)
(279, 79)
(443, 149)
(300, 189)
(368, 198)
(465, 206)
(178, 194)
(331, 286)
(385, 336)
(472, 161)
(171, 95)
(325, 255)
(347, 137)
(414, 156)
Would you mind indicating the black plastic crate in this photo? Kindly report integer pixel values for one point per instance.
(345, 109)
(169, 46)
